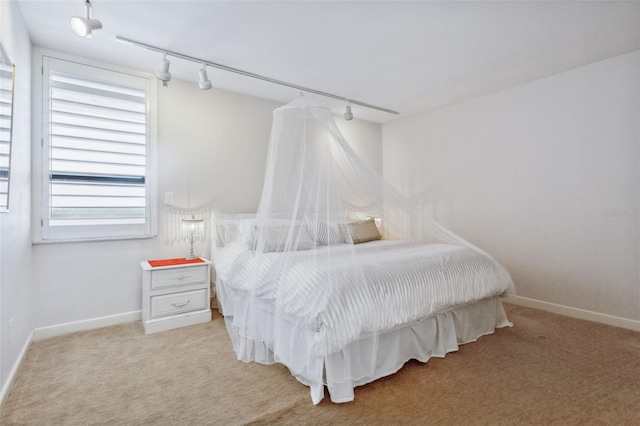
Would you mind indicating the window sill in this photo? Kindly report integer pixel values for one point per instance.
(91, 240)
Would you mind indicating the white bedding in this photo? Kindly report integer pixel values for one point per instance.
(403, 282)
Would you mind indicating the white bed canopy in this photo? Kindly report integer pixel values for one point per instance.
(299, 282)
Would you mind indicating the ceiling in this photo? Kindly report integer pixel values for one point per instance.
(409, 56)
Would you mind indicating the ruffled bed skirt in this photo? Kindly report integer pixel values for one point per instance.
(375, 355)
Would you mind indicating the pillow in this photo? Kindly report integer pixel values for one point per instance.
(364, 231)
(322, 233)
(276, 238)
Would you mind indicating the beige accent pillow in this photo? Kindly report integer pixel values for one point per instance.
(364, 231)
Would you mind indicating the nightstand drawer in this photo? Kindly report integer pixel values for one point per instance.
(176, 303)
(178, 276)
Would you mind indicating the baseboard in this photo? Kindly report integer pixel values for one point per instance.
(89, 324)
(14, 371)
(569, 311)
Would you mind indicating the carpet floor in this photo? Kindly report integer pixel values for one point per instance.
(547, 369)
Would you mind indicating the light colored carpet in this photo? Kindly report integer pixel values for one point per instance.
(547, 369)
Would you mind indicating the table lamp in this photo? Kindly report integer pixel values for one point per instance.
(193, 226)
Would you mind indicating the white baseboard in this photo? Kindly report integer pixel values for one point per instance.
(569, 311)
(14, 371)
(89, 324)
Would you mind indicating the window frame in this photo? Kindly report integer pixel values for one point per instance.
(45, 61)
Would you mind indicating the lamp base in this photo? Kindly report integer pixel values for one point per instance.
(191, 257)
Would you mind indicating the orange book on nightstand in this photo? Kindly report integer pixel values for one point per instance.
(171, 262)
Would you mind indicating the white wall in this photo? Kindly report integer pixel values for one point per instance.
(215, 143)
(529, 174)
(212, 144)
(365, 138)
(15, 241)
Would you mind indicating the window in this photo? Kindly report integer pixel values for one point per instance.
(6, 114)
(97, 151)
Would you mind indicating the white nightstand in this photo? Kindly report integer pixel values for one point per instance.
(175, 296)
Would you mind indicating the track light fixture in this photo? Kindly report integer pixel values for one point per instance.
(205, 83)
(347, 114)
(83, 26)
(163, 73)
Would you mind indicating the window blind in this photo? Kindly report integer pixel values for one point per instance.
(6, 100)
(97, 152)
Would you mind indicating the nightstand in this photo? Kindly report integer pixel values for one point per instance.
(175, 295)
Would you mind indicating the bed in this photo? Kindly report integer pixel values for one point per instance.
(415, 301)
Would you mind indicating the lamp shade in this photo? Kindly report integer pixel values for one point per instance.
(348, 115)
(164, 74)
(192, 223)
(205, 83)
(83, 26)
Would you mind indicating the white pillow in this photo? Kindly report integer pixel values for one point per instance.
(276, 238)
(322, 233)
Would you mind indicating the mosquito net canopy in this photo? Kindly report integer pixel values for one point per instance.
(333, 259)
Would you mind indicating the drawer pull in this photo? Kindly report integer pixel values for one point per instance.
(180, 305)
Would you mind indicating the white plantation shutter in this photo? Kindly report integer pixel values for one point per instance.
(97, 147)
(6, 101)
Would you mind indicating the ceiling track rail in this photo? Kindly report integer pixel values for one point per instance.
(250, 74)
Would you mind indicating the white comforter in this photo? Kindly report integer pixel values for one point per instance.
(398, 282)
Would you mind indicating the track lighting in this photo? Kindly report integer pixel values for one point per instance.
(83, 26)
(347, 114)
(163, 73)
(205, 83)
